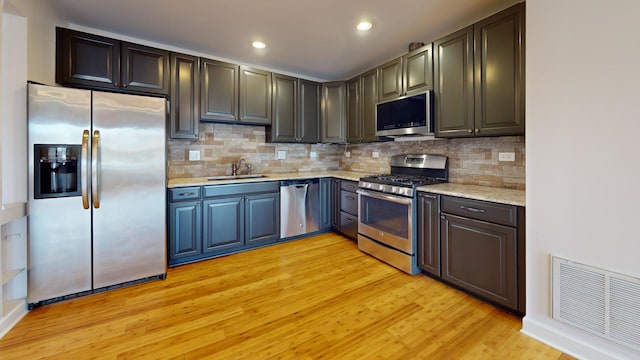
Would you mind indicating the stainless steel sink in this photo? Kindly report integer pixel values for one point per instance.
(235, 177)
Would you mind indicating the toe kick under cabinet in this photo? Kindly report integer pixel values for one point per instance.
(208, 221)
(477, 246)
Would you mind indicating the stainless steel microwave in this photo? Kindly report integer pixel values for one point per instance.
(407, 115)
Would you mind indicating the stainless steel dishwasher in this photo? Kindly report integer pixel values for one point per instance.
(299, 207)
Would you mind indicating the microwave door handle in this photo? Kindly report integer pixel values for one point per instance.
(84, 169)
(395, 199)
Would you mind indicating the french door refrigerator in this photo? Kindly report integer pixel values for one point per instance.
(96, 191)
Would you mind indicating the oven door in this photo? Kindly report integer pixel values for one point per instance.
(386, 219)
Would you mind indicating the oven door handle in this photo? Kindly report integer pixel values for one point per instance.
(392, 198)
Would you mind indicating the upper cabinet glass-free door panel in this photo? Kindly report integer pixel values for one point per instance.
(418, 70)
(219, 83)
(499, 71)
(309, 109)
(144, 68)
(255, 96)
(390, 80)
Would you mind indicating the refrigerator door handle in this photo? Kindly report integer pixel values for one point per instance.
(84, 169)
(94, 169)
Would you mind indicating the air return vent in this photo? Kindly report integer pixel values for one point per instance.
(598, 301)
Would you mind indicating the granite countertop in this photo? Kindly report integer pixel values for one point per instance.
(477, 192)
(345, 175)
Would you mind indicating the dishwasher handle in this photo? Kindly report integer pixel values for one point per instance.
(298, 183)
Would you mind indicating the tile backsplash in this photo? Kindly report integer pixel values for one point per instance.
(471, 161)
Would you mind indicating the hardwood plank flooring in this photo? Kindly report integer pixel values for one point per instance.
(306, 299)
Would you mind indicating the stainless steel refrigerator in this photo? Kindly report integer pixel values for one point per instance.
(97, 181)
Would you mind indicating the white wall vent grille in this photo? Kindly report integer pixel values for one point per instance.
(598, 301)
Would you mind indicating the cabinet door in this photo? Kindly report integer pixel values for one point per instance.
(144, 69)
(262, 218)
(349, 225)
(354, 128)
(219, 90)
(480, 257)
(390, 80)
(185, 221)
(335, 204)
(368, 100)
(185, 96)
(453, 86)
(429, 233)
(223, 227)
(418, 71)
(87, 60)
(255, 96)
(499, 71)
(325, 204)
(285, 96)
(309, 111)
(334, 122)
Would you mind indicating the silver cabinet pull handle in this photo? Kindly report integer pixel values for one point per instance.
(94, 170)
(84, 169)
(472, 209)
(187, 194)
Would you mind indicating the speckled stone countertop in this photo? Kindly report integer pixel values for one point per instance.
(345, 175)
(498, 195)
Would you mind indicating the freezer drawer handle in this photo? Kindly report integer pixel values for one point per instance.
(84, 169)
(94, 169)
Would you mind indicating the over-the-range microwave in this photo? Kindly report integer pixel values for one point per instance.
(407, 115)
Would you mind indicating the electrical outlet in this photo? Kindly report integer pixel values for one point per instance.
(347, 154)
(507, 156)
(282, 154)
(194, 155)
(375, 154)
(313, 155)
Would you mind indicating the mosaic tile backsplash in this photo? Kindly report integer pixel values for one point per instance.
(471, 161)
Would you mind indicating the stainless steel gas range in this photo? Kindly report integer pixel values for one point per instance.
(387, 208)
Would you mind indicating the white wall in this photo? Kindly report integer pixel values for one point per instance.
(583, 131)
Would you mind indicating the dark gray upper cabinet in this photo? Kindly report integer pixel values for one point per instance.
(429, 233)
(255, 96)
(362, 96)
(92, 61)
(353, 110)
(184, 96)
(236, 94)
(495, 70)
(219, 94)
(334, 117)
(418, 70)
(284, 127)
(309, 111)
(390, 80)
(144, 69)
(296, 111)
(453, 86)
(499, 73)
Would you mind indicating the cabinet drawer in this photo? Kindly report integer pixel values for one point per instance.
(349, 225)
(184, 193)
(481, 210)
(349, 202)
(349, 185)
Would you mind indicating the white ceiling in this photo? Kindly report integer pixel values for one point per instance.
(314, 39)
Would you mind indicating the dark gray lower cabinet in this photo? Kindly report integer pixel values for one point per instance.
(429, 233)
(335, 204)
(348, 206)
(325, 204)
(222, 226)
(224, 219)
(185, 235)
(483, 249)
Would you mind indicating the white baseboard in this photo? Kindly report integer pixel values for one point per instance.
(13, 317)
(575, 342)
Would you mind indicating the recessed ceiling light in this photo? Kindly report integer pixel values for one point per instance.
(258, 45)
(364, 26)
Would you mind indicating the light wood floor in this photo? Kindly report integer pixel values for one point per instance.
(307, 299)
